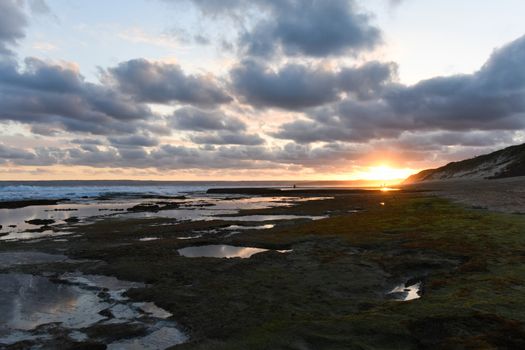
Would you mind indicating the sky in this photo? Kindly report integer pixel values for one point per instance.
(256, 89)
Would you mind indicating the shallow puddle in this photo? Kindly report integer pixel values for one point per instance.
(406, 293)
(18, 217)
(28, 301)
(240, 227)
(268, 217)
(219, 251)
(78, 212)
(36, 309)
(161, 338)
(27, 235)
(147, 239)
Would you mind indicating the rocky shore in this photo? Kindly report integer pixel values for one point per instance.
(345, 269)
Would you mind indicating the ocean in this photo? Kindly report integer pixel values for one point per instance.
(18, 190)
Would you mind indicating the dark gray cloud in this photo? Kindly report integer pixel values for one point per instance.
(171, 157)
(45, 130)
(298, 27)
(313, 28)
(194, 119)
(440, 141)
(166, 83)
(328, 157)
(368, 80)
(11, 153)
(87, 141)
(12, 24)
(40, 156)
(491, 99)
(296, 86)
(134, 141)
(228, 138)
(307, 131)
(292, 87)
(58, 97)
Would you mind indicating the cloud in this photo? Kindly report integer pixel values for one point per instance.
(194, 119)
(492, 98)
(312, 28)
(56, 95)
(395, 3)
(39, 7)
(87, 141)
(166, 83)
(139, 36)
(298, 86)
(369, 80)
(11, 153)
(292, 87)
(134, 141)
(342, 113)
(439, 140)
(173, 157)
(298, 27)
(307, 131)
(228, 138)
(13, 22)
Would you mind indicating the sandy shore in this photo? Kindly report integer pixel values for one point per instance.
(503, 195)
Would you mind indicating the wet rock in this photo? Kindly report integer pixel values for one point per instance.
(253, 191)
(27, 203)
(147, 196)
(169, 206)
(40, 229)
(88, 346)
(43, 222)
(145, 207)
(72, 220)
(104, 295)
(204, 205)
(106, 312)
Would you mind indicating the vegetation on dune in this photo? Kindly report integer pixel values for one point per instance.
(508, 162)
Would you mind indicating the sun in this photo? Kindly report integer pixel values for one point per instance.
(385, 173)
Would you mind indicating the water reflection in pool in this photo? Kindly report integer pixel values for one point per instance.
(29, 301)
(405, 292)
(219, 251)
(269, 217)
(75, 303)
(261, 227)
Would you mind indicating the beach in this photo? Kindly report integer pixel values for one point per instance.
(265, 268)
